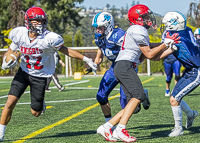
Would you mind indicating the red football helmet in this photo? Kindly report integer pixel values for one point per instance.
(141, 15)
(35, 13)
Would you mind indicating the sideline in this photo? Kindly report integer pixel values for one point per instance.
(31, 135)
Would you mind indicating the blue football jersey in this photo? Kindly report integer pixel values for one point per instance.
(188, 52)
(111, 44)
(170, 59)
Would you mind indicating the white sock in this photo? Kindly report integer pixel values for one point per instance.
(107, 125)
(2, 128)
(186, 109)
(120, 127)
(107, 119)
(177, 112)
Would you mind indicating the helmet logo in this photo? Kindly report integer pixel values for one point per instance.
(173, 21)
(106, 17)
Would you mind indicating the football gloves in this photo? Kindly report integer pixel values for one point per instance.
(89, 70)
(10, 63)
(90, 63)
(170, 40)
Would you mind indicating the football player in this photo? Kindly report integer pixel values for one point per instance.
(54, 76)
(188, 53)
(135, 48)
(197, 36)
(37, 46)
(109, 40)
(171, 65)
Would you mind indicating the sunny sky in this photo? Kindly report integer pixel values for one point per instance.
(157, 6)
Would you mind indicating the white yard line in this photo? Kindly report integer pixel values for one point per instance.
(66, 89)
(87, 88)
(54, 87)
(60, 101)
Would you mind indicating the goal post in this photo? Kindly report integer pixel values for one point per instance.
(68, 67)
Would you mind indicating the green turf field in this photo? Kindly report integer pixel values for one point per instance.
(73, 115)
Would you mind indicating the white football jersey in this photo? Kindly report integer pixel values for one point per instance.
(37, 56)
(135, 35)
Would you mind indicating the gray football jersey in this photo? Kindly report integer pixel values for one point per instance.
(135, 35)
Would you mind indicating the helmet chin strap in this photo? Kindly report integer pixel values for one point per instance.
(130, 22)
(147, 26)
(100, 36)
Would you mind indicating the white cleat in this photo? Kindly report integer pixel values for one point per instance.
(167, 94)
(124, 136)
(61, 89)
(48, 90)
(1, 137)
(44, 107)
(190, 121)
(177, 131)
(107, 134)
(146, 102)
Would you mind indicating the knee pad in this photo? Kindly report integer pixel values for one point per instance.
(102, 103)
(177, 78)
(102, 100)
(168, 81)
(37, 103)
(37, 106)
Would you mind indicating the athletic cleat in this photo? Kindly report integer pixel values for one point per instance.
(48, 90)
(44, 107)
(177, 131)
(190, 121)
(61, 89)
(146, 102)
(107, 134)
(167, 92)
(124, 136)
(1, 137)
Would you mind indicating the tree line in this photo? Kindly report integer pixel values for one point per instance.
(63, 18)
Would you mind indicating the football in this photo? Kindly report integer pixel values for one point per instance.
(9, 56)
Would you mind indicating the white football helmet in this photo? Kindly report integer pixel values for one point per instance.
(197, 33)
(174, 21)
(102, 19)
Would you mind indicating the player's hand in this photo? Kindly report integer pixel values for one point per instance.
(10, 63)
(89, 70)
(169, 40)
(174, 47)
(90, 63)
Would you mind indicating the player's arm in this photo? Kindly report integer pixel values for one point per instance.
(97, 61)
(153, 45)
(163, 54)
(99, 57)
(74, 54)
(168, 42)
(151, 53)
(60, 61)
(11, 63)
(8, 51)
(71, 53)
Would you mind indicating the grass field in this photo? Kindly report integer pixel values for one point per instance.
(73, 115)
